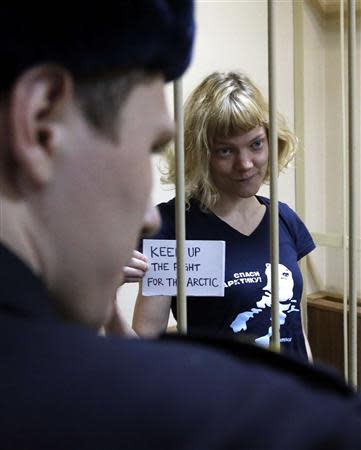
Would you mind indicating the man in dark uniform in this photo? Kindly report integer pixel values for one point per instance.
(81, 109)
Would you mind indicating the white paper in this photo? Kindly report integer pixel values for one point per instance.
(204, 261)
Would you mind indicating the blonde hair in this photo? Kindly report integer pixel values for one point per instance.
(223, 105)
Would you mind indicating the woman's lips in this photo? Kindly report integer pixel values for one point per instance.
(241, 180)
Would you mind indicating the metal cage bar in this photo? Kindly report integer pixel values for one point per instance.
(274, 233)
(345, 189)
(299, 126)
(180, 208)
(352, 192)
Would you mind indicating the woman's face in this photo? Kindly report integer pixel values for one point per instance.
(238, 164)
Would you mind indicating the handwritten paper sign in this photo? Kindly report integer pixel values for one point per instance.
(204, 266)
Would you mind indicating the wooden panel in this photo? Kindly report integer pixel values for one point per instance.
(325, 330)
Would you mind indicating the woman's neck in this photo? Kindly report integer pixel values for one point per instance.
(241, 206)
(244, 214)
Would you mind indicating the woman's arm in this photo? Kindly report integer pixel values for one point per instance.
(118, 325)
(151, 314)
(133, 272)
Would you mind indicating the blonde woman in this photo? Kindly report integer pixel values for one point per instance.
(226, 163)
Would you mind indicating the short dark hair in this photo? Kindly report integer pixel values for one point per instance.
(100, 99)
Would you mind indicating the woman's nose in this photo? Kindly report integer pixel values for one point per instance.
(243, 161)
(151, 221)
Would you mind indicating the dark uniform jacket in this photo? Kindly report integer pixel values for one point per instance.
(64, 387)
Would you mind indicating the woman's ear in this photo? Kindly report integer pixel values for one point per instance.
(37, 107)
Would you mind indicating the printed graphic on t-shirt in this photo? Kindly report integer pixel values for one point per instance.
(242, 278)
(286, 304)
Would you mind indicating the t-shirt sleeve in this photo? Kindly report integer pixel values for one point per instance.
(167, 228)
(298, 230)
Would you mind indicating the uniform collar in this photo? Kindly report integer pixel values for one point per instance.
(22, 292)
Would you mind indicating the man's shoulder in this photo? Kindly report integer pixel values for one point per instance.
(121, 386)
(69, 348)
(247, 353)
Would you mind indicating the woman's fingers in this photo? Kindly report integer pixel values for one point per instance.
(135, 270)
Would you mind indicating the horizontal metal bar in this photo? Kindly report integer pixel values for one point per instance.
(331, 240)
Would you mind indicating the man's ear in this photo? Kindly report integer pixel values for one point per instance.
(38, 102)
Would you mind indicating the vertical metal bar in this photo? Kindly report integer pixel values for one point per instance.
(299, 126)
(344, 190)
(274, 235)
(352, 190)
(180, 208)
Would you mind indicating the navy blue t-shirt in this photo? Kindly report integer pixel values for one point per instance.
(246, 306)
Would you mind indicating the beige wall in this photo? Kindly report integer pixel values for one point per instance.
(324, 144)
(314, 104)
(233, 35)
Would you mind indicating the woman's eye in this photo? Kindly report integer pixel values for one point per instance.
(258, 144)
(224, 151)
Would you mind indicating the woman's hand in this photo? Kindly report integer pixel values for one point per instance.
(135, 270)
